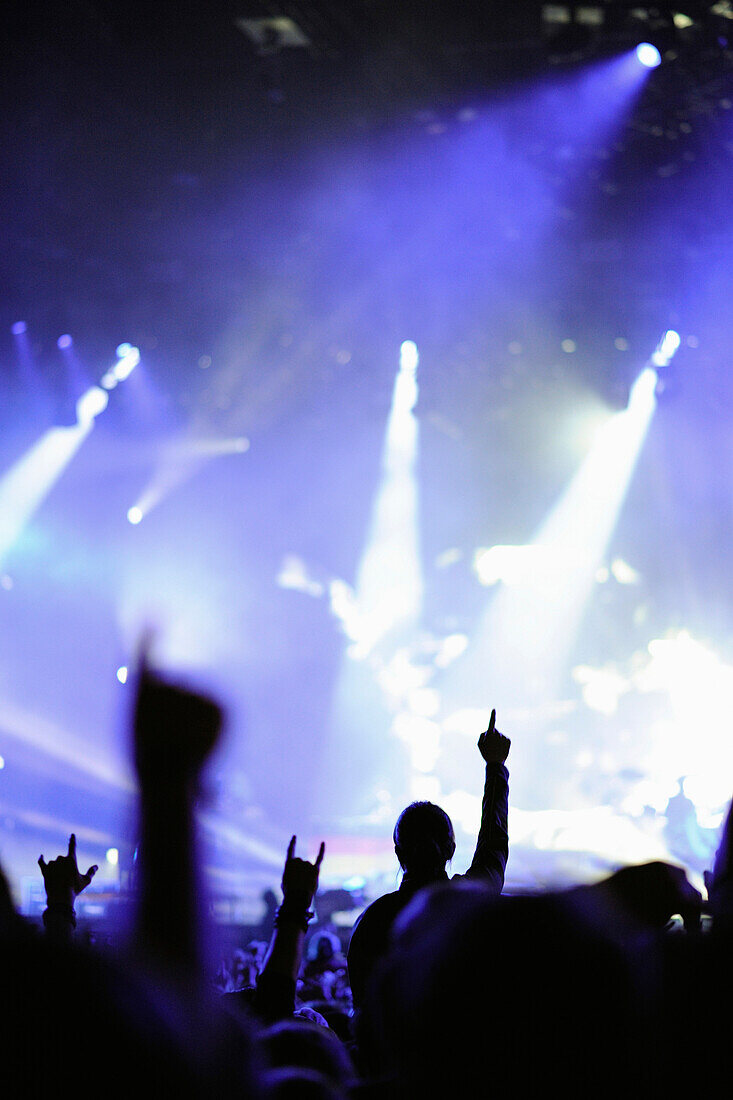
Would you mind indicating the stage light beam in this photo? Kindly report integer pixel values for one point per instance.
(128, 358)
(24, 487)
(388, 591)
(524, 639)
(90, 405)
(381, 614)
(28, 482)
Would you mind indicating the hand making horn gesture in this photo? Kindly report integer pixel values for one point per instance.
(62, 878)
(300, 878)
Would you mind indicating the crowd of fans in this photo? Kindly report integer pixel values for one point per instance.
(447, 987)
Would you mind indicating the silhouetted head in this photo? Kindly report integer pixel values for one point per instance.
(323, 946)
(424, 839)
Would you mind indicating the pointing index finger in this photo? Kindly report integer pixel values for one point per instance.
(492, 722)
(291, 848)
(72, 846)
(321, 852)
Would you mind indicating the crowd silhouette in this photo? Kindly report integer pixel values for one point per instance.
(448, 987)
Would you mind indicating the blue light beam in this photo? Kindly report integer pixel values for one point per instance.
(29, 481)
(389, 585)
(523, 642)
(381, 614)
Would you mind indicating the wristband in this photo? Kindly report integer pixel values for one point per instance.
(61, 909)
(294, 913)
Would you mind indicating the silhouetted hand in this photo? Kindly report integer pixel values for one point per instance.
(651, 893)
(62, 878)
(175, 729)
(493, 746)
(300, 878)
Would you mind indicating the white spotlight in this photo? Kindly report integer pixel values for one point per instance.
(666, 348)
(389, 578)
(648, 55)
(545, 584)
(409, 357)
(112, 856)
(128, 359)
(27, 483)
(134, 515)
(91, 404)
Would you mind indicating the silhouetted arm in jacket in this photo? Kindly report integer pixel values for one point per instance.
(492, 848)
(275, 997)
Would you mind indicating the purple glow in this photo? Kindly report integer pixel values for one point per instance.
(540, 228)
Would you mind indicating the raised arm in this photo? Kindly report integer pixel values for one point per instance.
(175, 732)
(275, 998)
(492, 848)
(63, 882)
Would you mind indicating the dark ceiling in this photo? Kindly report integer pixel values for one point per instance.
(124, 118)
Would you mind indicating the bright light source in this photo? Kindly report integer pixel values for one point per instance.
(122, 674)
(91, 404)
(642, 397)
(27, 483)
(451, 648)
(108, 380)
(422, 738)
(666, 348)
(409, 357)
(389, 580)
(294, 575)
(18, 328)
(544, 585)
(128, 359)
(601, 688)
(134, 514)
(648, 55)
(382, 611)
(112, 856)
(514, 565)
(64, 341)
(2, 762)
(624, 573)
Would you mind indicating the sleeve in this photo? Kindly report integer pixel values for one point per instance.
(59, 922)
(274, 998)
(492, 848)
